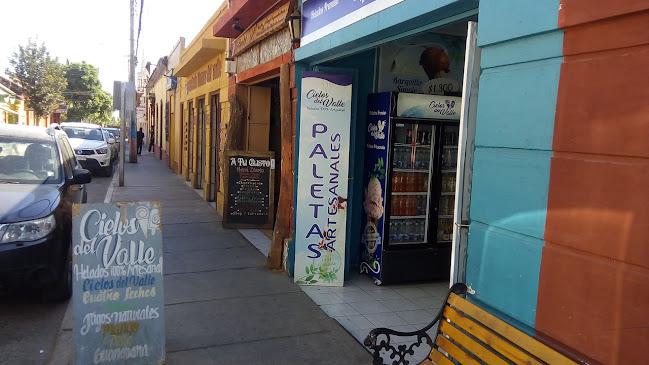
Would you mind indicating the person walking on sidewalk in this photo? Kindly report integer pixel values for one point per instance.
(140, 141)
(151, 140)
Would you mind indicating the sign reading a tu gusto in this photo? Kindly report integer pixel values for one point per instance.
(323, 166)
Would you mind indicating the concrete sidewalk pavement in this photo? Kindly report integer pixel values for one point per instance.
(222, 305)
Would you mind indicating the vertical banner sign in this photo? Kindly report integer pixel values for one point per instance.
(375, 183)
(321, 209)
(118, 295)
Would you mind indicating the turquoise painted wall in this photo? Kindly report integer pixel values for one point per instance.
(521, 60)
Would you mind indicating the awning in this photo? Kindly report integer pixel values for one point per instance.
(197, 55)
(5, 109)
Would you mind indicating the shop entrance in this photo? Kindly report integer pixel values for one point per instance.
(190, 137)
(275, 135)
(215, 127)
(200, 139)
(424, 98)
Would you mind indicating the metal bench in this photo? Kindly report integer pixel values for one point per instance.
(467, 334)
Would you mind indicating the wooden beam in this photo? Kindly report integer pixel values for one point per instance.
(284, 210)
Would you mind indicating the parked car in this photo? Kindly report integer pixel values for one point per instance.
(40, 179)
(91, 146)
(116, 134)
(112, 143)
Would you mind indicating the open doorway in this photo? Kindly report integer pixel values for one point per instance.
(190, 152)
(215, 127)
(275, 135)
(200, 151)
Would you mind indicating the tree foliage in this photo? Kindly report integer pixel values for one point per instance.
(40, 75)
(85, 98)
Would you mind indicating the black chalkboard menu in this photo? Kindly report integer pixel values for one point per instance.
(249, 184)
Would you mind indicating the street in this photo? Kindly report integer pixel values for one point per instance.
(29, 326)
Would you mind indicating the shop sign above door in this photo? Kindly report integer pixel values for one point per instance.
(260, 30)
(323, 17)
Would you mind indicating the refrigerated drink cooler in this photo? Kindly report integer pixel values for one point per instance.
(411, 150)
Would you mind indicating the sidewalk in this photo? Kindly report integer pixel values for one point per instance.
(222, 305)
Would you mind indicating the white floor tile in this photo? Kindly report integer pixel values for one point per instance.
(428, 303)
(388, 319)
(384, 294)
(355, 322)
(349, 287)
(369, 307)
(412, 293)
(402, 304)
(339, 310)
(416, 317)
(355, 296)
(327, 298)
(438, 292)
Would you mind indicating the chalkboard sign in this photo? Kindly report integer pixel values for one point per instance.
(117, 295)
(249, 189)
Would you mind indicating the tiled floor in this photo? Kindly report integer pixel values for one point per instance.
(360, 306)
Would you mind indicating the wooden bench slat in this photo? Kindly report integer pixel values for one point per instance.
(439, 358)
(455, 352)
(509, 332)
(490, 338)
(471, 345)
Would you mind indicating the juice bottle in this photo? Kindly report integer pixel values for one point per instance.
(424, 183)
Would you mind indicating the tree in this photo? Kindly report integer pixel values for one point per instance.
(84, 96)
(40, 75)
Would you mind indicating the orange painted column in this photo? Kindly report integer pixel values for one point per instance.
(594, 282)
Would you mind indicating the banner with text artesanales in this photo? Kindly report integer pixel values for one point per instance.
(323, 168)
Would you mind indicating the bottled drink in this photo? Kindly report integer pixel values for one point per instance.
(411, 181)
(400, 181)
(413, 205)
(424, 182)
(448, 158)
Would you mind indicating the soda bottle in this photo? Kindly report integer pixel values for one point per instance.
(424, 183)
(413, 205)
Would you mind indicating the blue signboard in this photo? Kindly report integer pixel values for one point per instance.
(375, 183)
(318, 14)
(118, 296)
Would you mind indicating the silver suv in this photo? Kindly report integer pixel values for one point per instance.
(91, 145)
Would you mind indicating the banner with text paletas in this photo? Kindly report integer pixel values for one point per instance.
(118, 297)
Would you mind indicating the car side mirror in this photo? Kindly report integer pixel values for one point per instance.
(81, 176)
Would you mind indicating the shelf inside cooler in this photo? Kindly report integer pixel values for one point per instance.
(407, 216)
(425, 171)
(406, 242)
(410, 193)
(412, 145)
(445, 216)
(450, 146)
(446, 171)
(446, 193)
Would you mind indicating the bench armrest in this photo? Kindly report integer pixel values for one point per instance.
(401, 350)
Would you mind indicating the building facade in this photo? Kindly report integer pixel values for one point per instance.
(538, 226)
(202, 111)
(157, 108)
(261, 57)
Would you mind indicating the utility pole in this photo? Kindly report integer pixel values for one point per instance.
(131, 80)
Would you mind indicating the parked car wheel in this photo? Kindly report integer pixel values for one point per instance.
(61, 289)
(108, 170)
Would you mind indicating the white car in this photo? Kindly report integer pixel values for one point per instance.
(91, 146)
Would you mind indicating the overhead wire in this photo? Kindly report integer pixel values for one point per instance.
(139, 28)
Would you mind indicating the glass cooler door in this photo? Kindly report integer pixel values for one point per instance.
(412, 157)
(449, 142)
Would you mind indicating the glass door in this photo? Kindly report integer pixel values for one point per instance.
(412, 157)
(449, 142)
